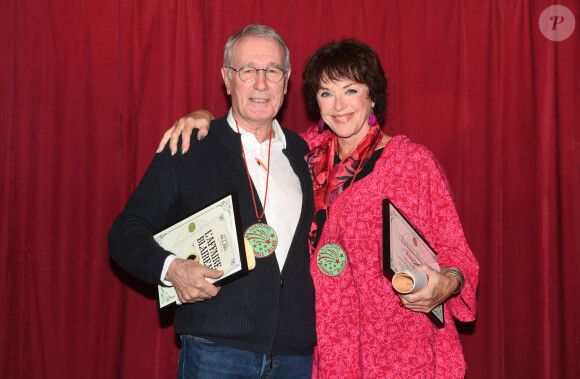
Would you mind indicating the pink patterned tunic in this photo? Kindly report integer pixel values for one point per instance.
(362, 332)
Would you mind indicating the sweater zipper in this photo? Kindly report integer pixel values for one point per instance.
(300, 220)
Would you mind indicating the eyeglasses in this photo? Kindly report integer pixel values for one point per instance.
(248, 74)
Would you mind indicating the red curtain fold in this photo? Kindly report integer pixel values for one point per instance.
(87, 88)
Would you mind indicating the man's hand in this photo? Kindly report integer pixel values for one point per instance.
(439, 289)
(188, 279)
(199, 119)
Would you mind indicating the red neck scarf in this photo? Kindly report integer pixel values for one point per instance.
(329, 178)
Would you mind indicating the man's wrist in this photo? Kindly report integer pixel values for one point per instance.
(166, 265)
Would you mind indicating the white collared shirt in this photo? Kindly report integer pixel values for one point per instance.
(284, 202)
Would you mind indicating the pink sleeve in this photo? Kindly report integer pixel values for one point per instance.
(446, 236)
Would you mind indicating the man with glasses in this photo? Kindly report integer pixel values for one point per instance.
(261, 325)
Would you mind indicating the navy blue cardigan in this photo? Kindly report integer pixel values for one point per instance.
(267, 311)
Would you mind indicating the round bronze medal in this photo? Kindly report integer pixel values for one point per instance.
(262, 238)
(331, 259)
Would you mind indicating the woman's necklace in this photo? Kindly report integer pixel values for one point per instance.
(261, 237)
(331, 257)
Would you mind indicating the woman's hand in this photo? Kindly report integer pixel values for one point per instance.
(199, 119)
(439, 289)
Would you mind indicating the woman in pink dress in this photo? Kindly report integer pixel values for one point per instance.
(365, 329)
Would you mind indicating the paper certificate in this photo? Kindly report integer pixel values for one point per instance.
(403, 245)
(213, 236)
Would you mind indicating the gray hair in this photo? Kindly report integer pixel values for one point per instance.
(259, 31)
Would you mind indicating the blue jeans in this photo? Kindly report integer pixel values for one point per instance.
(200, 358)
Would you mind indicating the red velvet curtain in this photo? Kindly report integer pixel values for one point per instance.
(88, 87)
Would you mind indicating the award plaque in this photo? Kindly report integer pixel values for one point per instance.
(212, 236)
(403, 245)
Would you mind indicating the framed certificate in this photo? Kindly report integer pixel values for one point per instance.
(403, 245)
(213, 236)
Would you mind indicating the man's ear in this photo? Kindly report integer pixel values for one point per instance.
(226, 79)
(287, 80)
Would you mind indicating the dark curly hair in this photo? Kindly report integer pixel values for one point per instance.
(346, 59)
